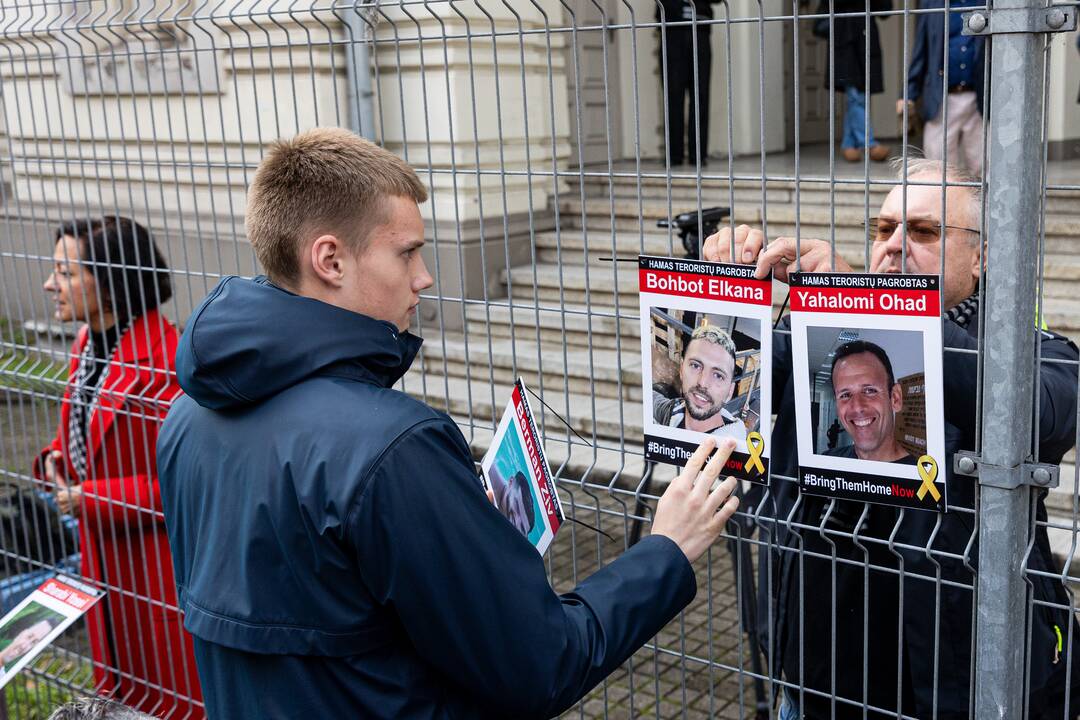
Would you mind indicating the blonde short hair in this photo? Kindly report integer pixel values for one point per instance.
(323, 181)
(715, 335)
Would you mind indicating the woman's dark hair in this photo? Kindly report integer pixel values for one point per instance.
(522, 484)
(127, 265)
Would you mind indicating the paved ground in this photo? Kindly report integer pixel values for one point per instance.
(693, 668)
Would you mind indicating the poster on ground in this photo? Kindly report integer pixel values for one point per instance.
(867, 361)
(706, 352)
(39, 619)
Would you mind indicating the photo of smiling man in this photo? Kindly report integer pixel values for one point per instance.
(867, 393)
(868, 400)
(867, 381)
(707, 381)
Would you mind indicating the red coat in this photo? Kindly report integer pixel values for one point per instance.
(142, 654)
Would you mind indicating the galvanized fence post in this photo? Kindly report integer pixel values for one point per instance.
(1013, 185)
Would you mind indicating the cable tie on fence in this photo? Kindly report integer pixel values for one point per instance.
(571, 427)
(594, 529)
(618, 259)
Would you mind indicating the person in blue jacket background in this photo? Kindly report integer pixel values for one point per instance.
(958, 138)
(335, 552)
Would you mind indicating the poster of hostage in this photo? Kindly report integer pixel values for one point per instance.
(516, 473)
(39, 619)
(866, 353)
(706, 349)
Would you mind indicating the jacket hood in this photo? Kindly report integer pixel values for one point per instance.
(250, 339)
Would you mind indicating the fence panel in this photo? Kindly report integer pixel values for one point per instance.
(559, 139)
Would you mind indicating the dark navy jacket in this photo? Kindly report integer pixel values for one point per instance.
(810, 557)
(926, 71)
(335, 553)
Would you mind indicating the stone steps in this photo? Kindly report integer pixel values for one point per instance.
(573, 326)
(1061, 271)
(564, 368)
(1061, 231)
(847, 190)
(601, 420)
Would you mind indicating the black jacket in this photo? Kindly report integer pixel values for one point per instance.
(673, 11)
(850, 49)
(335, 553)
(799, 572)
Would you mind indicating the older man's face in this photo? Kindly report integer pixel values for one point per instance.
(961, 268)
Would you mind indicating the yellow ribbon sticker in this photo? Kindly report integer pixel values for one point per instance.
(756, 444)
(928, 472)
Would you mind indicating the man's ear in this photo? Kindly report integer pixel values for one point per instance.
(325, 257)
(897, 397)
(736, 371)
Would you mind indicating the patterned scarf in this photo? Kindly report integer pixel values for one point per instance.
(963, 312)
(84, 399)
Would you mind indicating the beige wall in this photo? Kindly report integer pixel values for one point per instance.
(165, 118)
(1063, 121)
(456, 105)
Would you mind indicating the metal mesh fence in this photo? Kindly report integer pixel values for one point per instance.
(553, 136)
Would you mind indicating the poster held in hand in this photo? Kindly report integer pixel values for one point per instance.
(39, 619)
(516, 472)
(706, 357)
(867, 359)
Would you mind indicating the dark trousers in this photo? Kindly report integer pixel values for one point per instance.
(680, 84)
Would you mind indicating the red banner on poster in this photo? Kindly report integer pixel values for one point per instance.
(913, 303)
(744, 290)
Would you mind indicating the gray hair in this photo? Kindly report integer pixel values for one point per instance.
(96, 708)
(921, 168)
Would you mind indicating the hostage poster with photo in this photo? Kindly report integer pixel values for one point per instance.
(706, 352)
(39, 619)
(516, 472)
(867, 360)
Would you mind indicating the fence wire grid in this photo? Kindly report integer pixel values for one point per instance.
(553, 135)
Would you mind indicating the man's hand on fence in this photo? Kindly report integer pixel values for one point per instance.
(691, 512)
(748, 242)
(779, 257)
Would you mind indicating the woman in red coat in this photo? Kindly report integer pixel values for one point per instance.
(109, 274)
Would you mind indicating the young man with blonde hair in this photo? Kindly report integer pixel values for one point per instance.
(335, 552)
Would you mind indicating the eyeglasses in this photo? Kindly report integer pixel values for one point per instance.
(919, 231)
